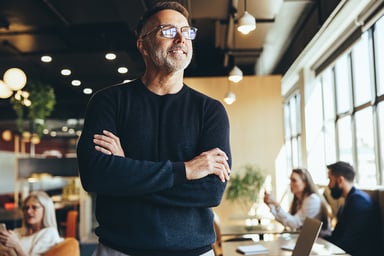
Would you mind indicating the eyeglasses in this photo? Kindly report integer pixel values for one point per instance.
(33, 207)
(170, 31)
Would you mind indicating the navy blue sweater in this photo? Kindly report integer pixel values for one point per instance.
(145, 205)
(357, 225)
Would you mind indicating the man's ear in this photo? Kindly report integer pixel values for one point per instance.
(340, 180)
(141, 47)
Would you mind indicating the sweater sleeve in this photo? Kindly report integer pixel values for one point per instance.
(310, 208)
(44, 240)
(208, 191)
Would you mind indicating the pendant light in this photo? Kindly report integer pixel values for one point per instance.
(15, 78)
(247, 22)
(230, 97)
(235, 75)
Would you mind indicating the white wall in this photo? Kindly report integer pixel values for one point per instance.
(7, 172)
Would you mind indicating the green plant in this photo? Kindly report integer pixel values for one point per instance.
(42, 101)
(244, 187)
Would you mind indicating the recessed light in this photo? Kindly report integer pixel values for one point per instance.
(46, 58)
(87, 90)
(65, 72)
(122, 70)
(110, 56)
(76, 82)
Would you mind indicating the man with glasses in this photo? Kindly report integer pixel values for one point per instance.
(155, 151)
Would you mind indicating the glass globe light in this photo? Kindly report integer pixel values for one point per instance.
(5, 91)
(15, 78)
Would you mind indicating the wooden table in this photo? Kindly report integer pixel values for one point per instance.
(239, 229)
(321, 247)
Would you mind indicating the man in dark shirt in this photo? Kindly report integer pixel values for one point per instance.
(155, 151)
(356, 230)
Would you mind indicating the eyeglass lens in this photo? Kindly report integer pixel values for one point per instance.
(33, 207)
(171, 31)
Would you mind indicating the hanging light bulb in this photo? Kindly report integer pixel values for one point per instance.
(247, 22)
(235, 75)
(230, 97)
(15, 78)
(5, 91)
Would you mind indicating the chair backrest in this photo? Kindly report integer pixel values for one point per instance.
(68, 247)
(217, 249)
(71, 224)
(307, 237)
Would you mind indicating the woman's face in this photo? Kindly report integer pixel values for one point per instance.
(297, 184)
(33, 212)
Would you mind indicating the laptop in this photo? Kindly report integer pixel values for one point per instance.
(306, 239)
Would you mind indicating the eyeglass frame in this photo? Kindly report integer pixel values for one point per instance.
(162, 26)
(33, 207)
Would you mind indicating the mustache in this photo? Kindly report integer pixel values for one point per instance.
(177, 48)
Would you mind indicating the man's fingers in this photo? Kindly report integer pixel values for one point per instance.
(103, 150)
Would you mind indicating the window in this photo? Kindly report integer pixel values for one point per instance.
(344, 113)
(379, 50)
(362, 71)
(344, 134)
(343, 84)
(328, 103)
(293, 131)
(380, 114)
(365, 148)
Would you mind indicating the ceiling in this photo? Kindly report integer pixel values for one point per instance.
(78, 33)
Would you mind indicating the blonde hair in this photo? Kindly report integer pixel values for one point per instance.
(49, 216)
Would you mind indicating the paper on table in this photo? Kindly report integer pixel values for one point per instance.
(252, 249)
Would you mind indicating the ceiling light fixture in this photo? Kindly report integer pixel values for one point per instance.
(46, 58)
(15, 78)
(87, 90)
(235, 75)
(5, 91)
(247, 22)
(122, 70)
(110, 56)
(66, 72)
(76, 82)
(230, 97)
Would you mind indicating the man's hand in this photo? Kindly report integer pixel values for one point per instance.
(108, 143)
(214, 161)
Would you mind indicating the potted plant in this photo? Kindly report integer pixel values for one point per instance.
(35, 103)
(244, 187)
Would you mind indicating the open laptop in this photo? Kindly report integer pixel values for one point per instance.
(306, 239)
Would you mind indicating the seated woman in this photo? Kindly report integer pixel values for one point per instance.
(39, 229)
(307, 202)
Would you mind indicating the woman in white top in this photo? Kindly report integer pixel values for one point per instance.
(39, 229)
(307, 202)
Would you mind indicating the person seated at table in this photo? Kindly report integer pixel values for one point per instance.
(357, 229)
(38, 232)
(307, 202)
